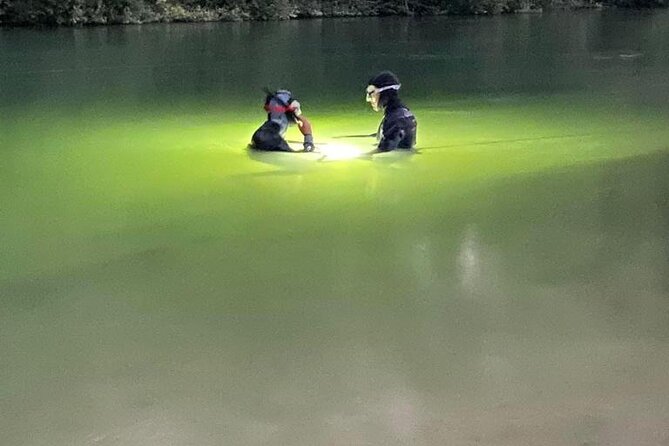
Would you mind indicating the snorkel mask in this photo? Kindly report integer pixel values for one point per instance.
(374, 93)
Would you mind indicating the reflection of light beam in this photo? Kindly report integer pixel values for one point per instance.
(469, 261)
(339, 151)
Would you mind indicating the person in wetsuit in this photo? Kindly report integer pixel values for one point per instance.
(398, 128)
(282, 110)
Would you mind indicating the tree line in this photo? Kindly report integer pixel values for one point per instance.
(102, 12)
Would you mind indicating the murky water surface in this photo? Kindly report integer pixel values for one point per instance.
(507, 285)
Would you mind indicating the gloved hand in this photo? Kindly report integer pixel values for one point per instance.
(296, 108)
(308, 143)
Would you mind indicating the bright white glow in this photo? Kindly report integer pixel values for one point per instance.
(339, 151)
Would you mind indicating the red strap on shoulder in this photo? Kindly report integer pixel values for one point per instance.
(278, 109)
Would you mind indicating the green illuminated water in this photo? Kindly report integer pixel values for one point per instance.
(159, 285)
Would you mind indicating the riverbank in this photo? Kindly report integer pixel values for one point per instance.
(108, 12)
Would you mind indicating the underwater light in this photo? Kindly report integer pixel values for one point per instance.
(339, 151)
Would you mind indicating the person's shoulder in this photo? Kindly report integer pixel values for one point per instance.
(403, 112)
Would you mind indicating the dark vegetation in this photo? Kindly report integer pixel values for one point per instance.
(100, 12)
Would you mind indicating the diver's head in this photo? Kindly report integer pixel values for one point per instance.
(284, 96)
(286, 102)
(381, 88)
(293, 107)
(281, 96)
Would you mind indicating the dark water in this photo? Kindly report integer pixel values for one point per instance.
(328, 59)
(506, 286)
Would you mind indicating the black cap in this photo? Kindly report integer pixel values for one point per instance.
(384, 79)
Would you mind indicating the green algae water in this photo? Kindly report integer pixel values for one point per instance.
(506, 285)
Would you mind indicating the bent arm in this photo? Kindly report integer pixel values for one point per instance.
(305, 128)
(393, 132)
(304, 125)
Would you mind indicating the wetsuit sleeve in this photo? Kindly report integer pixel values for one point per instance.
(393, 133)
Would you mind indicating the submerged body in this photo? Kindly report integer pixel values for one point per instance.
(398, 128)
(282, 110)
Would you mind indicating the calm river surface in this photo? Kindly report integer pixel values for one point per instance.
(507, 285)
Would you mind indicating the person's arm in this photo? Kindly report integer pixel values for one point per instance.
(305, 128)
(303, 124)
(393, 132)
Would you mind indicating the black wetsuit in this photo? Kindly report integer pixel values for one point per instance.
(281, 112)
(398, 128)
(268, 137)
